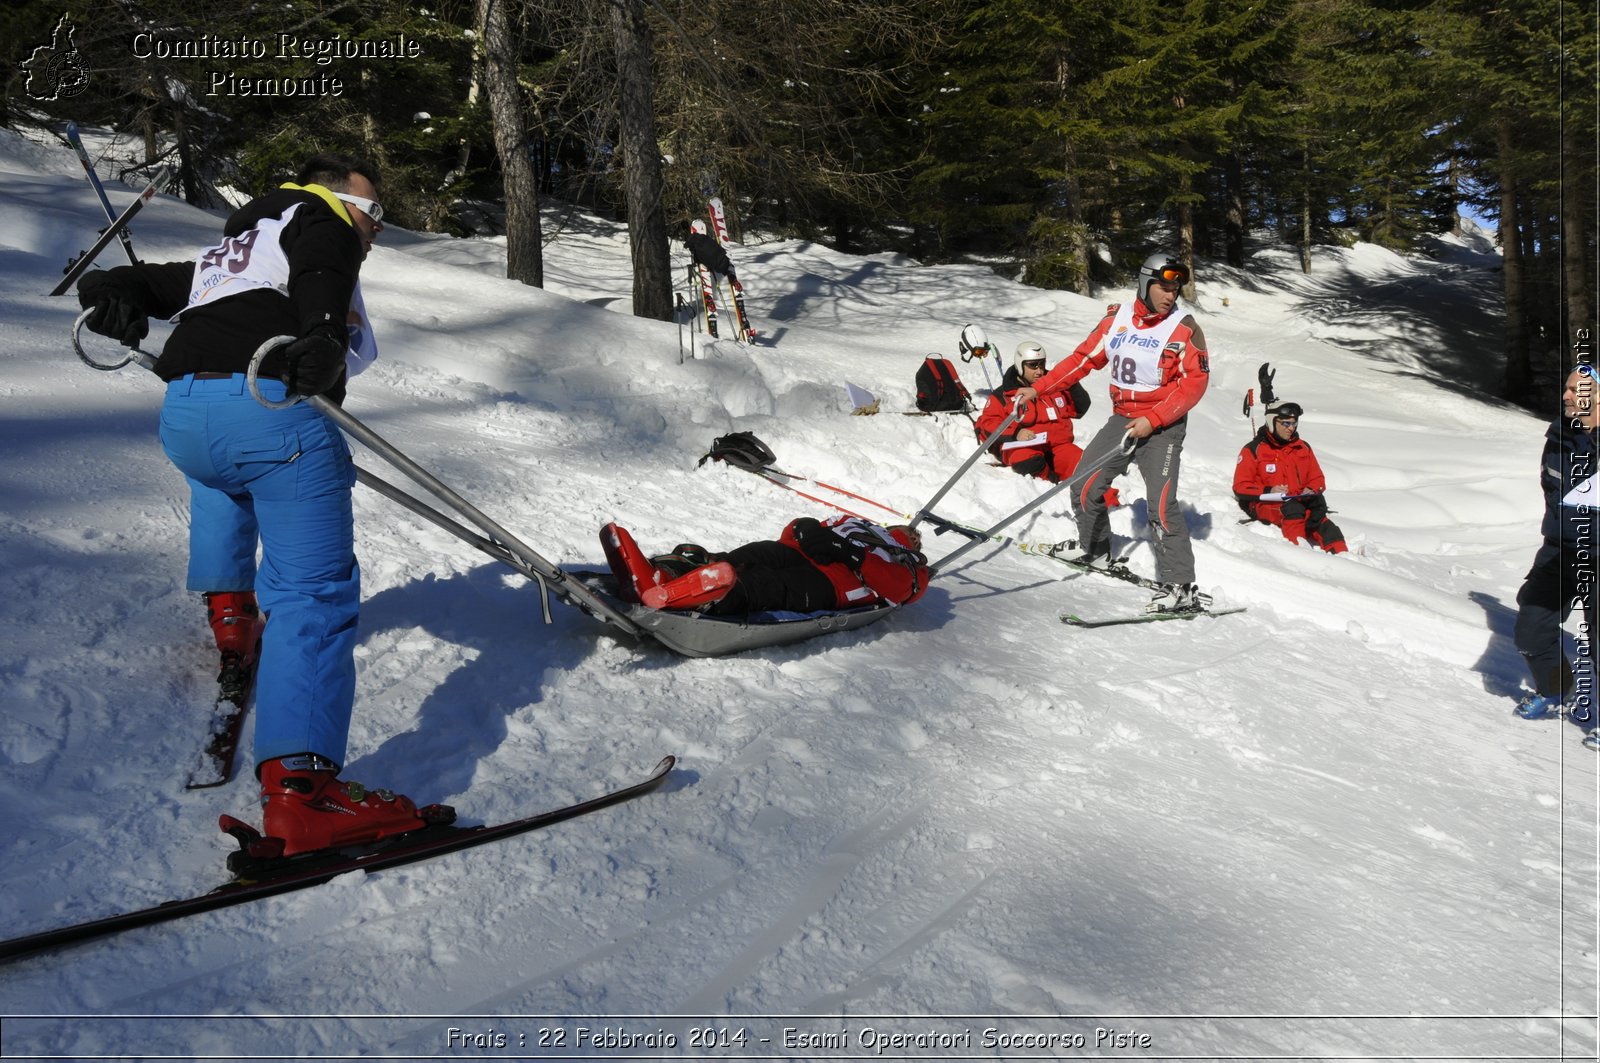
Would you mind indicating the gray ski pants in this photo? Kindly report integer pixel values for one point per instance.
(1159, 457)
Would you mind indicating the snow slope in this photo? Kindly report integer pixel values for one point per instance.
(1310, 830)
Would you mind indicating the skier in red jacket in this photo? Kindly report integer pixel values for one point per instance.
(813, 566)
(1278, 480)
(1159, 371)
(1040, 442)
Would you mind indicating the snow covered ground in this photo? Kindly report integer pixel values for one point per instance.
(1311, 830)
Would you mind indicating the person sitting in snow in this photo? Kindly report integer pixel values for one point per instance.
(1039, 443)
(705, 251)
(1278, 481)
(813, 566)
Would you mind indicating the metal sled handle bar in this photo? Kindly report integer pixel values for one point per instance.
(134, 353)
(255, 370)
(1124, 445)
(460, 531)
(384, 449)
(983, 448)
(531, 562)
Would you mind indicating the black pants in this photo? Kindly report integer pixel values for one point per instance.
(774, 576)
(1554, 586)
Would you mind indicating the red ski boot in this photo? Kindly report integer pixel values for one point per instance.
(306, 806)
(709, 583)
(236, 623)
(635, 574)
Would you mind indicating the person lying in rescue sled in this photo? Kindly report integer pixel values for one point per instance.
(814, 566)
(1040, 442)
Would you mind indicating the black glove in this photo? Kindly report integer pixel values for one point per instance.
(314, 363)
(826, 548)
(117, 304)
(1265, 375)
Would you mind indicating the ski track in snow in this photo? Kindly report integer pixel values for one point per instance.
(1321, 808)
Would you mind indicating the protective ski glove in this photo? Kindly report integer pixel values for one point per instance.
(315, 362)
(117, 305)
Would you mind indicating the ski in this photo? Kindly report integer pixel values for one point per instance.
(270, 879)
(77, 269)
(215, 765)
(708, 297)
(1147, 618)
(746, 333)
(75, 138)
(1117, 569)
(719, 220)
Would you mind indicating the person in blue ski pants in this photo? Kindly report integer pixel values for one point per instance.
(288, 265)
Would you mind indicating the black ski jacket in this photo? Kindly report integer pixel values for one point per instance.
(324, 255)
(705, 251)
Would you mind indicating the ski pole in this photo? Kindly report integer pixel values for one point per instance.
(679, 314)
(838, 490)
(99, 189)
(1124, 445)
(983, 448)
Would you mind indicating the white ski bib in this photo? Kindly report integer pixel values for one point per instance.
(1135, 353)
(254, 260)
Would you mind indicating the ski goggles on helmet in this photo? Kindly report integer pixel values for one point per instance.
(370, 207)
(1173, 274)
(1289, 411)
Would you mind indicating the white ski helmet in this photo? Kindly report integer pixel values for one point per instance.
(698, 226)
(974, 342)
(1160, 266)
(1027, 351)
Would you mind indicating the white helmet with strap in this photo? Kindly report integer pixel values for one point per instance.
(1027, 351)
(974, 343)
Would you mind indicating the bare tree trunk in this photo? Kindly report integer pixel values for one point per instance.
(524, 253)
(642, 179)
(1305, 210)
(1233, 238)
(1519, 371)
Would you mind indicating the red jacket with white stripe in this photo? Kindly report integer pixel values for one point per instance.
(1185, 369)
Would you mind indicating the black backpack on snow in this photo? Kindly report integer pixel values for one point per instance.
(741, 450)
(939, 389)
